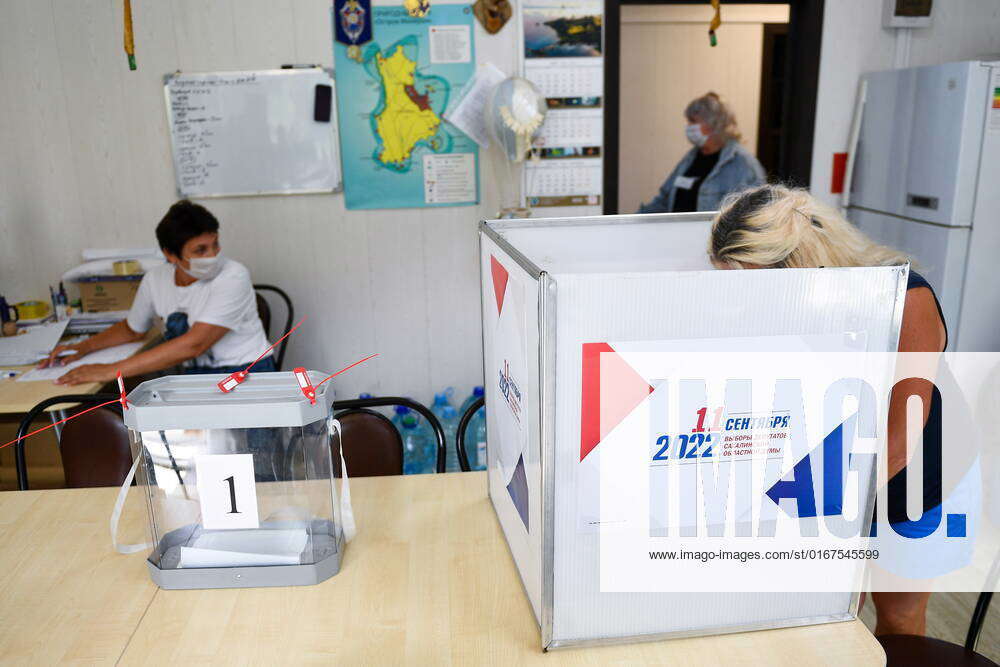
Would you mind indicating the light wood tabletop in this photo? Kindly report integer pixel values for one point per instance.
(427, 581)
(19, 397)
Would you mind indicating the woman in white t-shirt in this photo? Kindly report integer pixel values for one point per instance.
(206, 302)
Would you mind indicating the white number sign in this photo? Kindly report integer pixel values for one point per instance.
(227, 491)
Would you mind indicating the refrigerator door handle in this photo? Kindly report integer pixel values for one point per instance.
(852, 143)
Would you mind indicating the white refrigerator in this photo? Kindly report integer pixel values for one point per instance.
(926, 180)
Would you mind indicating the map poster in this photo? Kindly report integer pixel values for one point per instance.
(396, 148)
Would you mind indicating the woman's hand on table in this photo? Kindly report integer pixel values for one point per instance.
(88, 373)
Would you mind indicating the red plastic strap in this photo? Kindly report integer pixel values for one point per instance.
(345, 369)
(121, 388)
(274, 344)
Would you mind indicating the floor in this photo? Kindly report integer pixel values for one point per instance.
(948, 617)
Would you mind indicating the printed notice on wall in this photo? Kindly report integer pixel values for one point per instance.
(449, 178)
(450, 44)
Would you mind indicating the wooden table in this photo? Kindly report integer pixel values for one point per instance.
(428, 581)
(19, 397)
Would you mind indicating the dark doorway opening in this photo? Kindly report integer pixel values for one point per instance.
(789, 84)
(773, 82)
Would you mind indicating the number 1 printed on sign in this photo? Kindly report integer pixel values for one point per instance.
(227, 491)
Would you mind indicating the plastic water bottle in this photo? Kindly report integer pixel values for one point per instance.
(475, 440)
(448, 416)
(419, 444)
(449, 422)
(477, 393)
(419, 453)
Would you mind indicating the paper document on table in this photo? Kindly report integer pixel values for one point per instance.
(106, 356)
(27, 348)
(245, 547)
(468, 114)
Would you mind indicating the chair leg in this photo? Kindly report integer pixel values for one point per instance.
(173, 464)
(978, 618)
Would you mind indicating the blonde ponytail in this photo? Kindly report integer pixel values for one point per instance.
(780, 227)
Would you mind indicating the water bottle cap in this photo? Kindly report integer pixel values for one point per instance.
(364, 394)
(409, 421)
(440, 398)
(478, 391)
(401, 410)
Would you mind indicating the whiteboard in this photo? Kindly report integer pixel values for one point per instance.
(251, 133)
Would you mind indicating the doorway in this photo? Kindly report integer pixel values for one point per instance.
(658, 58)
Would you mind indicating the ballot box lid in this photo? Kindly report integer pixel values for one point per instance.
(196, 402)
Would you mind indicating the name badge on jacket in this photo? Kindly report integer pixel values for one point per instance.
(685, 182)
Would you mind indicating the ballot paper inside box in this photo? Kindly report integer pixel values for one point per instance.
(557, 295)
(240, 487)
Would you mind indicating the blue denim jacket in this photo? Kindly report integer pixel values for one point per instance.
(736, 170)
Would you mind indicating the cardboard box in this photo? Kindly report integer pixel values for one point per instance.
(101, 294)
(550, 288)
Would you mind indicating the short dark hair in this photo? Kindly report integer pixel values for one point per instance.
(184, 221)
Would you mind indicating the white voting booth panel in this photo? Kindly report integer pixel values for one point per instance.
(552, 285)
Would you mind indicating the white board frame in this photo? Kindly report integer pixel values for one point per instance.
(338, 186)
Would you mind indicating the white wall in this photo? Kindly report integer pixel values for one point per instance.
(85, 162)
(854, 42)
(666, 61)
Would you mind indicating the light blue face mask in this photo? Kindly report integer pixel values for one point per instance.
(695, 135)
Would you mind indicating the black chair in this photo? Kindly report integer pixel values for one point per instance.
(372, 445)
(94, 447)
(342, 407)
(463, 426)
(914, 650)
(264, 311)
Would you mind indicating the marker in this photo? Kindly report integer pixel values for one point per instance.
(5, 373)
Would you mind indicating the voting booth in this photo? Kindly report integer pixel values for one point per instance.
(239, 486)
(557, 291)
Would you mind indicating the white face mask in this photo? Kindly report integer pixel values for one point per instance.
(204, 268)
(695, 135)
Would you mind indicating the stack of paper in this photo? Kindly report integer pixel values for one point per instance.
(32, 346)
(109, 355)
(233, 548)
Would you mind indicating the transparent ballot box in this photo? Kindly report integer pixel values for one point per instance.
(239, 486)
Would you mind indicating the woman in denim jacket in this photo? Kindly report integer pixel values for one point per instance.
(714, 167)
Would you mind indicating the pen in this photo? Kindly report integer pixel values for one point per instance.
(4, 373)
(55, 303)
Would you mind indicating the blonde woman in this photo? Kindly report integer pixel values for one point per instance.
(777, 227)
(716, 165)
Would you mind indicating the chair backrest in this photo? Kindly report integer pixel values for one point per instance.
(463, 427)
(372, 445)
(279, 356)
(264, 313)
(95, 449)
(381, 402)
(98, 447)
